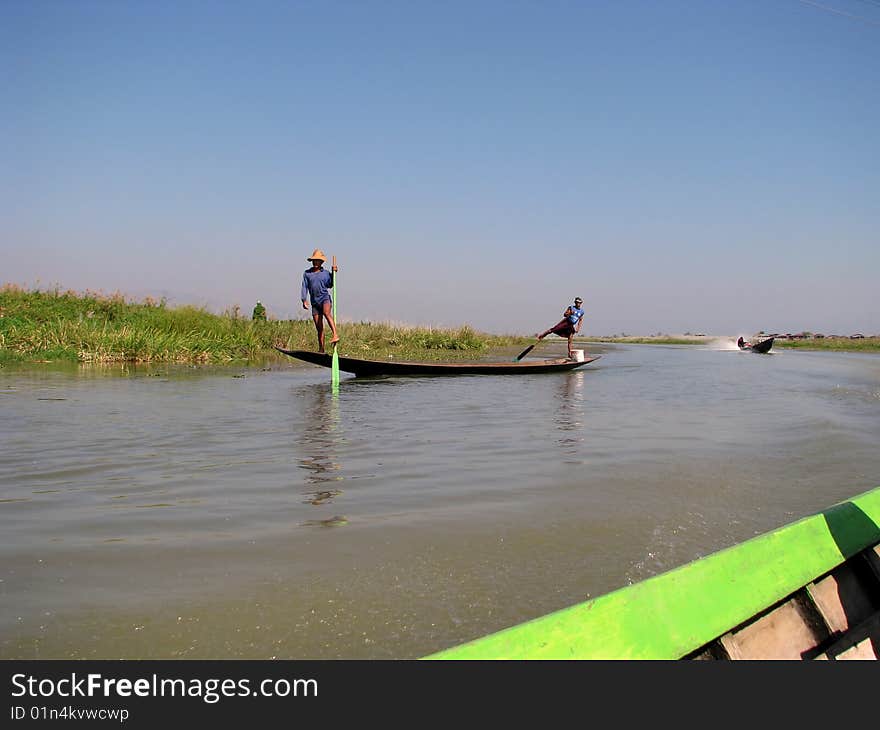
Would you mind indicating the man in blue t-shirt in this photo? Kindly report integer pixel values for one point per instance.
(315, 285)
(569, 325)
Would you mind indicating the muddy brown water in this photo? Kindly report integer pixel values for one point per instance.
(180, 512)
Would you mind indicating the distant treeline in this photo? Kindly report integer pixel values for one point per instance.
(55, 325)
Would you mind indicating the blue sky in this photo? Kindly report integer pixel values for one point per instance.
(692, 166)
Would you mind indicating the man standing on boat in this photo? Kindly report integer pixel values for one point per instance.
(315, 285)
(569, 325)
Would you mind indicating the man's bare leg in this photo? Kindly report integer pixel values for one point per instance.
(319, 326)
(328, 313)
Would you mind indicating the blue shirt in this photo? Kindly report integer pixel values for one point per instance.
(315, 285)
(576, 315)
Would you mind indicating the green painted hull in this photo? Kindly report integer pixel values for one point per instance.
(692, 610)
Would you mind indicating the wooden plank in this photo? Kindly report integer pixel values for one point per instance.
(789, 631)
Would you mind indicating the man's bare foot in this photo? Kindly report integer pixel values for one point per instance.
(334, 340)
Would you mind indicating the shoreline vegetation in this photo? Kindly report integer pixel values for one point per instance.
(93, 327)
(41, 326)
(807, 341)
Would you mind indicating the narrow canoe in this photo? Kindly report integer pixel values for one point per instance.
(367, 368)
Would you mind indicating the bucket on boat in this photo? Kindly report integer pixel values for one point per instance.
(578, 355)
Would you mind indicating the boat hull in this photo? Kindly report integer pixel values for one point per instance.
(375, 368)
(761, 347)
(806, 590)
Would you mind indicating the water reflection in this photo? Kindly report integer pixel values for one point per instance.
(335, 521)
(323, 496)
(320, 440)
(569, 415)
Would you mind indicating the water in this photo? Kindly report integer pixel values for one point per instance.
(153, 512)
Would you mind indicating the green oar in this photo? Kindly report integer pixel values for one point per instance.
(334, 369)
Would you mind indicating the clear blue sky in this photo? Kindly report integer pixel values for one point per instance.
(692, 166)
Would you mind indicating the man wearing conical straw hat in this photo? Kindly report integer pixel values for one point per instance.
(315, 285)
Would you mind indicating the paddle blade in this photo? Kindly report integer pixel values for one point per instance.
(334, 368)
(525, 352)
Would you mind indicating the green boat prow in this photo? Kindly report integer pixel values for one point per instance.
(809, 590)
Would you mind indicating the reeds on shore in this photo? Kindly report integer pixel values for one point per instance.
(94, 327)
(56, 325)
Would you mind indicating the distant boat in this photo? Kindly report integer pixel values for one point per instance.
(762, 346)
(366, 368)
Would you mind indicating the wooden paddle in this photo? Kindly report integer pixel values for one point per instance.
(334, 368)
(526, 351)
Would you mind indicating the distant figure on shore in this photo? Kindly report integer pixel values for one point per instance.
(315, 285)
(570, 324)
(259, 312)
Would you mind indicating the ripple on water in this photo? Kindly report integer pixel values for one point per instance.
(466, 502)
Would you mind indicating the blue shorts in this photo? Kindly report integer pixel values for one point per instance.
(318, 307)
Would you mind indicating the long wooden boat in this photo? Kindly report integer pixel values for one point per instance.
(809, 590)
(761, 347)
(367, 368)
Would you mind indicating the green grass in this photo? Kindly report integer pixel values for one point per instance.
(844, 344)
(55, 325)
(840, 344)
(648, 340)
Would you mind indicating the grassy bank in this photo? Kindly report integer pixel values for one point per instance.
(49, 326)
(650, 340)
(839, 344)
(842, 344)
